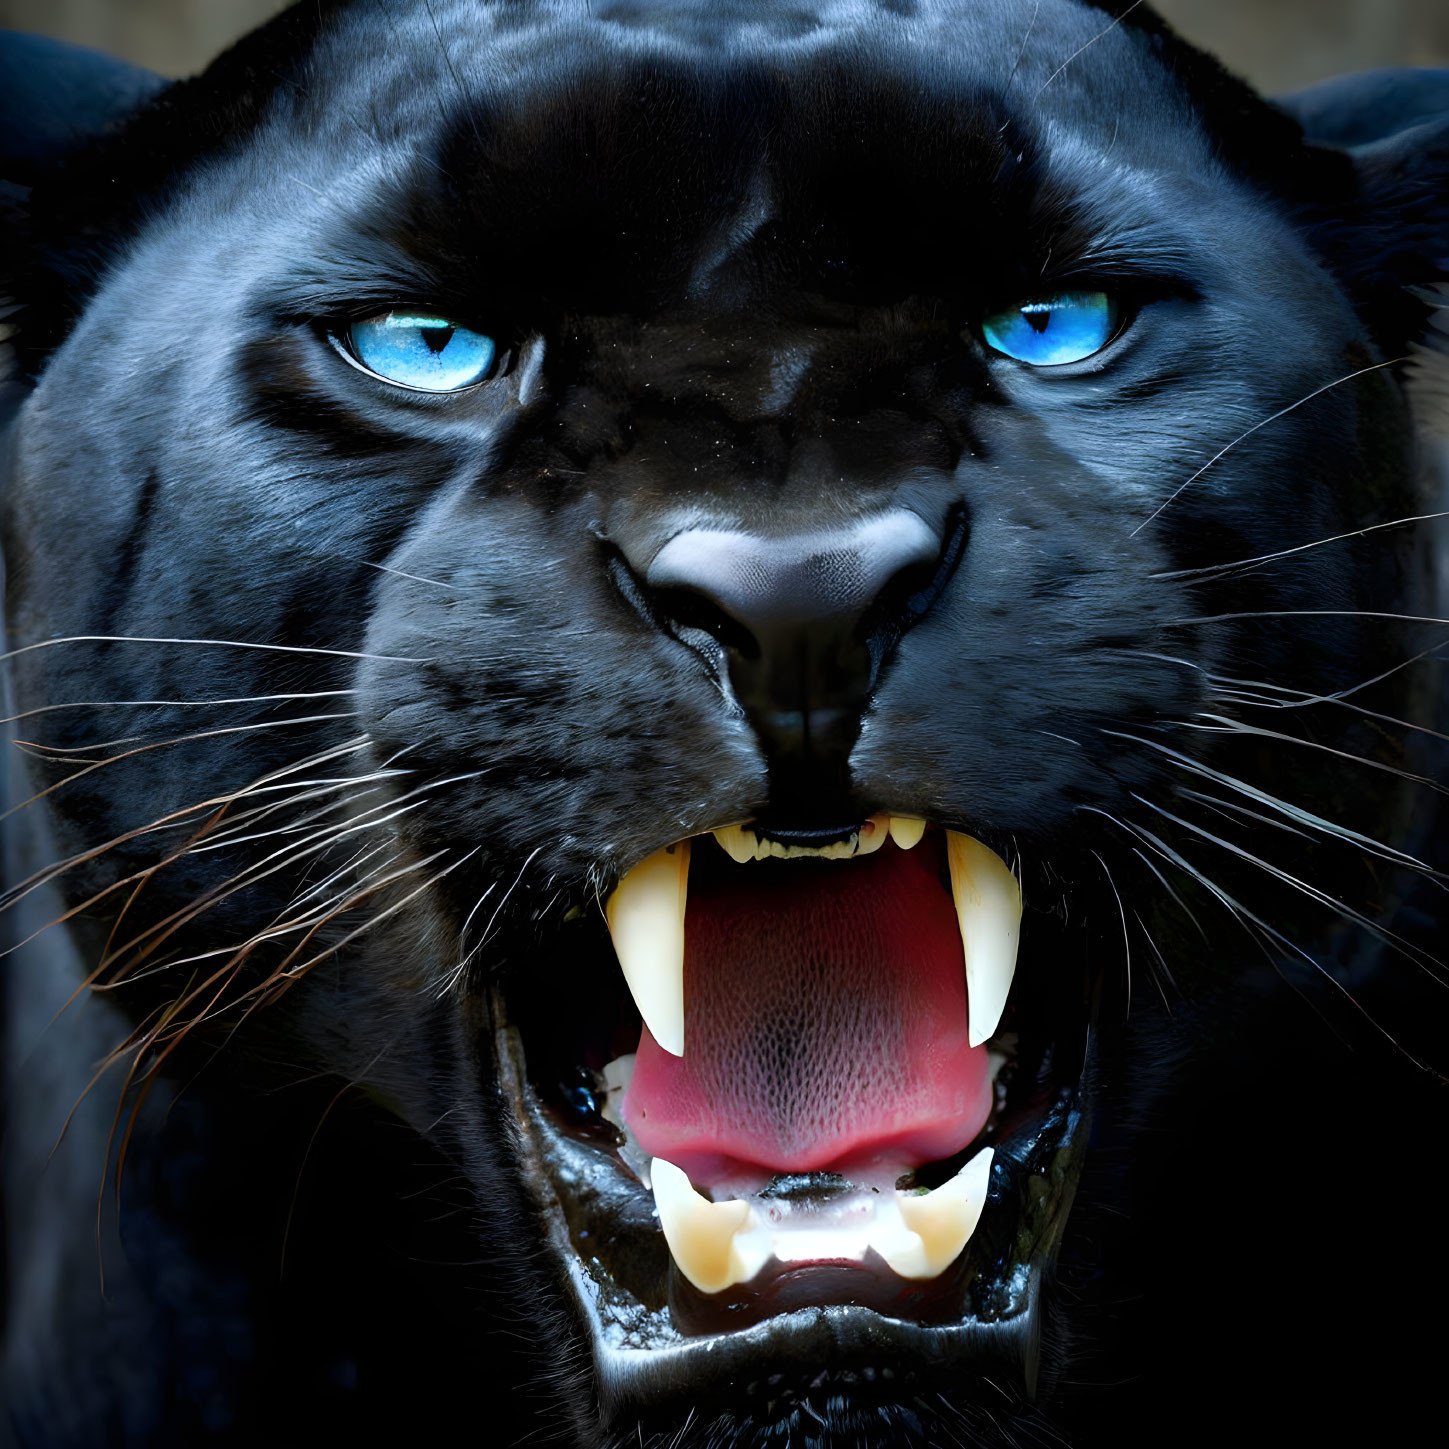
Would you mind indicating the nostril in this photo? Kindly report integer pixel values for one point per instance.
(688, 609)
(912, 592)
(679, 611)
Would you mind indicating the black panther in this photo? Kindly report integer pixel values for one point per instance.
(726, 731)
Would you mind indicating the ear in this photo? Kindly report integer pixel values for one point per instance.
(89, 147)
(54, 97)
(54, 100)
(1351, 111)
(1389, 239)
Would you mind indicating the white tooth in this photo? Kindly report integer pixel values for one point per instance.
(873, 835)
(988, 908)
(646, 920)
(906, 832)
(739, 844)
(712, 1242)
(940, 1222)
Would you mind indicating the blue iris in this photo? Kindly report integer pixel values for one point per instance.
(1048, 331)
(422, 351)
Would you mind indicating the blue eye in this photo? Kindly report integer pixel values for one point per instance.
(417, 350)
(1048, 331)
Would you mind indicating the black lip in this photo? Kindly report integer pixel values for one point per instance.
(784, 1357)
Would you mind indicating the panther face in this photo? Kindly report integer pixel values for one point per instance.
(747, 569)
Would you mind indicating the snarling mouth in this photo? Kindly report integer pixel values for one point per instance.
(827, 1102)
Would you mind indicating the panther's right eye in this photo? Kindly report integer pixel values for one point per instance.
(421, 351)
(1053, 330)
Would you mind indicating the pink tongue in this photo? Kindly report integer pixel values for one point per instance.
(825, 1024)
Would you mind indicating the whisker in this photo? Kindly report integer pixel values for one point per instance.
(1021, 51)
(1304, 699)
(1243, 436)
(218, 643)
(173, 703)
(1212, 570)
(456, 974)
(1431, 965)
(162, 744)
(138, 879)
(1248, 919)
(48, 873)
(311, 923)
(246, 878)
(1161, 959)
(284, 858)
(296, 971)
(1182, 905)
(1106, 30)
(1126, 939)
(1232, 810)
(462, 935)
(352, 868)
(1223, 724)
(1295, 813)
(1306, 614)
(417, 578)
(61, 752)
(315, 790)
(229, 839)
(1301, 699)
(453, 71)
(351, 863)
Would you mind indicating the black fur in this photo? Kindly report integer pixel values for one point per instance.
(739, 256)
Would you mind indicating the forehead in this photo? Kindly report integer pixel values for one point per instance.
(597, 79)
(594, 146)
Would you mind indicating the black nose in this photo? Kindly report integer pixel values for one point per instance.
(806, 619)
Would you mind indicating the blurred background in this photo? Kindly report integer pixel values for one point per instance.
(1277, 44)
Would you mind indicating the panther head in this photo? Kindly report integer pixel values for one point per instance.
(695, 600)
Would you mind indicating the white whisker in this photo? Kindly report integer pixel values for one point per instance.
(1295, 813)
(1245, 918)
(1212, 570)
(1248, 433)
(161, 744)
(218, 643)
(1380, 933)
(174, 703)
(1106, 30)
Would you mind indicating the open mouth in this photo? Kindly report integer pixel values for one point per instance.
(821, 1097)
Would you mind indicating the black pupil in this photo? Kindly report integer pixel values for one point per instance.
(437, 338)
(1039, 318)
(582, 1101)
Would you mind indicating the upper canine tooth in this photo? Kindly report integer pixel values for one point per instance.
(738, 843)
(906, 832)
(988, 907)
(646, 920)
(942, 1221)
(711, 1242)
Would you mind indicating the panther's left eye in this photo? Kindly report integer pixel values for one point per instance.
(420, 351)
(1052, 330)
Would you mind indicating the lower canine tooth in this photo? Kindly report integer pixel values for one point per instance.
(988, 908)
(941, 1222)
(706, 1238)
(646, 920)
